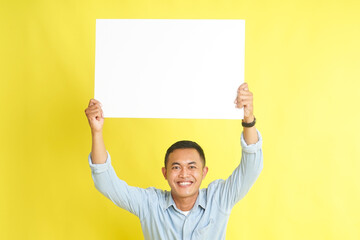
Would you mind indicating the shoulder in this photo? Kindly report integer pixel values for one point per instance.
(156, 194)
(213, 187)
(156, 199)
(214, 184)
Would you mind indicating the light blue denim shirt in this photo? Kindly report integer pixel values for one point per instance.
(159, 217)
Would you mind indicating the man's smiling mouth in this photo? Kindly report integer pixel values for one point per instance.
(185, 184)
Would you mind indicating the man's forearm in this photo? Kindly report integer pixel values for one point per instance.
(98, 152)
(250, 134)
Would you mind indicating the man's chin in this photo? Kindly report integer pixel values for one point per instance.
(184, 194)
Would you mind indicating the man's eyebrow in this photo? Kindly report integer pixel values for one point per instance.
(176, 163)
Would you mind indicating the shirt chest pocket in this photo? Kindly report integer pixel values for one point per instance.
(202, 233)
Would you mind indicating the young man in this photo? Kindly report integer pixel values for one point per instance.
(186, 212)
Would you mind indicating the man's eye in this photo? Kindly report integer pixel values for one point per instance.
(176, 167)
(192, 167)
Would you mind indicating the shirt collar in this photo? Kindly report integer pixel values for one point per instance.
(200, 201)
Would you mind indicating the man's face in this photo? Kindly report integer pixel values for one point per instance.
(184, 172)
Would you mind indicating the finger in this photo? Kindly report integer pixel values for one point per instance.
(246, 103)
(241, 100)
(244, 97)
(242, 92)
(243, 86)
(93, 113)
(245, 106)
(245, 93)
(94, 118)
(239, 104)
(92, 109)
(94, 101)
(94, 106)
(245, 100)
(91, 102)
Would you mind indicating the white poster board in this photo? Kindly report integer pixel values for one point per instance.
(169, 68)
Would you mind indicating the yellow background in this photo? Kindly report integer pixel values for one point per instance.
(302, 64)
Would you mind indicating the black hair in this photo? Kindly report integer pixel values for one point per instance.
(183, 145)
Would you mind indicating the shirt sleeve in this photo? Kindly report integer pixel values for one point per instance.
(118, 191)
(237, 185)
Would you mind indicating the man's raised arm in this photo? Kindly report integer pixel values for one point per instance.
(95, 117)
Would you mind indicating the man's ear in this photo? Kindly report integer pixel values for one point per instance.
(163, 169)
(205, 171)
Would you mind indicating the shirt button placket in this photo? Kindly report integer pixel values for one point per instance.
(186, 229)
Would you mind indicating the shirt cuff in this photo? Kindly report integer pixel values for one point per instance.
(252, 148)
(100, 167)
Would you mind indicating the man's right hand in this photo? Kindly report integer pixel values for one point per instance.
(95, 116)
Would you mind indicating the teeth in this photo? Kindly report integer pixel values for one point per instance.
(184, 183)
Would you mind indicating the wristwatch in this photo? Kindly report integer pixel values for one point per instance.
(248, 125)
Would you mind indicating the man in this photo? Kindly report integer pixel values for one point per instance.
(186, 212)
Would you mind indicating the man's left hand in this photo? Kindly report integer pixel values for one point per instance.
(244, 100)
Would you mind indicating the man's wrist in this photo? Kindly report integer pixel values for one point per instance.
(249, 119)
(95, 133)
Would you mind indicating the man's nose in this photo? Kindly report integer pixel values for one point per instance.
(183, 172)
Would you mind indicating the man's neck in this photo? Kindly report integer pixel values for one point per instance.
(185, 204)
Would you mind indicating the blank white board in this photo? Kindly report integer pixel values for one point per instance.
(169, 68)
